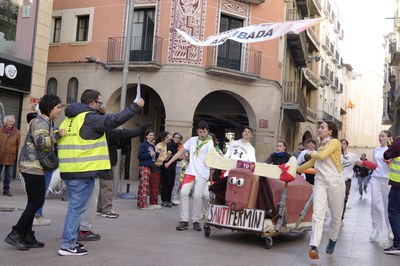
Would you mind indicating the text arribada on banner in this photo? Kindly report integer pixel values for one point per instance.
(253, 33)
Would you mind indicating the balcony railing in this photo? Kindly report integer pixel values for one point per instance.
(393, 50)
(324, 73)
(294, 101)
(297, 43)
(142, 49)
(326, 45)
(248, 63)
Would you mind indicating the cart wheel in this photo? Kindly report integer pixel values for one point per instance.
(268, 242)
(207, 230)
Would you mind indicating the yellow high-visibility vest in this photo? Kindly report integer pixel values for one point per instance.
(81, 155)
(394, 173)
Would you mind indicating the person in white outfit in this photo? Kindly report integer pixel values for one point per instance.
(242, 149)
(349, 160)
(197, 174)
(328, 189)
(380, 189)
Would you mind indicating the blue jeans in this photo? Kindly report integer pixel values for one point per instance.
(8, 171)
(394, 214)
(47, 180)
(79, 192)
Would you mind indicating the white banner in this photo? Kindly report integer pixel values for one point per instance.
(253, 33)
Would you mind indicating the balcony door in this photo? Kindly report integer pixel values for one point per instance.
(229, 53)
(142, 35)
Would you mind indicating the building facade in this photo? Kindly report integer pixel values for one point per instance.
(24, 44)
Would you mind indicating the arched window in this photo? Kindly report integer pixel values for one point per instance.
(72, 92)
(52, 86)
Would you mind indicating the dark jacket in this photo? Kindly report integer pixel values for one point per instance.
(94, 126)
(277, 160)
(392, 152)
(173, 148)
(144, 156)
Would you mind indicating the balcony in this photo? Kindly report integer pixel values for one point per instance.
(302, 5)
(335, 84)
(395, 53)
(311, 115)
(246, 66)
(341, 35)
(315, 7)
(327, 9)
(331, 49)
(336, 57)
(326, 45)
(337, 27)
(314, 40)
(145, 53)
(340, 88)
(310, 78)
(328, 117)
(324, 73)
(297, 43)
(294, 101)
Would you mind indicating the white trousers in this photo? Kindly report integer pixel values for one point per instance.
(200, 185)
(379, 202)
(328, 192)
(90, 213)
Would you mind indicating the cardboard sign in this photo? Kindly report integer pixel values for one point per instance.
(245, 219)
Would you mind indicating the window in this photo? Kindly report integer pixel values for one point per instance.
(82, 28)
(142, 35)
(57, 30)
(229, 53)
(52, 86)
(72, 92)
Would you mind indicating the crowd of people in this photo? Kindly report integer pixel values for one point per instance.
(87, 140)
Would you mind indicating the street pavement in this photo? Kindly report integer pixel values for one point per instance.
(141, 237)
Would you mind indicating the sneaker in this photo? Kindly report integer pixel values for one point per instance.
(182, 226)
(76, 251)
(110, 214)
(156, 206)
(98, 213)
(167, 204)
(196, 226)
(7, 193)
(147, 208)
(176, 202)
(79, 245)
(88, 236)
(365, 190)
(361, 196)
(40, 220)
(374, 237)
(330, 248)
(313, 254)
(392, 250)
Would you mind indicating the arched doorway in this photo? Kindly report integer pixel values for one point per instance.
(153, 112)
(225, 115)
(306, 136)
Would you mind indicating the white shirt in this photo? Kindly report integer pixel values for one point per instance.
(300, 159)
(382, 170)
(240, 150)
(348, 162)
(197, 166)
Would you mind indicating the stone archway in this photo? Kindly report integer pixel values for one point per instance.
(153, 112)
(226, 113)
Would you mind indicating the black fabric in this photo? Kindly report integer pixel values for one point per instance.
(48, 160)
(265, 200)
(35, 188)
